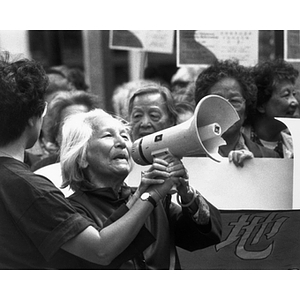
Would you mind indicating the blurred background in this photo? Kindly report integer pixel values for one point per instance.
(105, 68)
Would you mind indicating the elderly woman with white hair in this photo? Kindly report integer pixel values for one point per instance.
(143, 223)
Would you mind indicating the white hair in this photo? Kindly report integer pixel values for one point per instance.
(76, 133)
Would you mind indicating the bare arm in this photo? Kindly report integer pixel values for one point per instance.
(102, 247)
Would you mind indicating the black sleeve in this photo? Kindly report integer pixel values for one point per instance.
(191, 236)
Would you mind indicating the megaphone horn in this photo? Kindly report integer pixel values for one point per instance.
(198, 136)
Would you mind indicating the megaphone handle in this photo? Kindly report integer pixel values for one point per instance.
(163, 153)
(173, 190)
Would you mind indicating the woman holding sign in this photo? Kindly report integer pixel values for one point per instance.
(233, 82)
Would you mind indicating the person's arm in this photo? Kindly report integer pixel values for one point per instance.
(187, 197)
(194, 202)
(101, 247)
(197, 223)
(191, 235)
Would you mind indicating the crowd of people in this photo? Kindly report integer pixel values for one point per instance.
(149, 105)
(49, 116)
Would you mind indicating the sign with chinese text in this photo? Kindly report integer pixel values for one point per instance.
(251, 240)
(202, 47)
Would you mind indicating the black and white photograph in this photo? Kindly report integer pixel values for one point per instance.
(150, 149)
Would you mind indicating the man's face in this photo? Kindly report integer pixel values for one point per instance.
(149, 114)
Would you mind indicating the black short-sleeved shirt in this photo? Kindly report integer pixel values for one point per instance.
(35, 220)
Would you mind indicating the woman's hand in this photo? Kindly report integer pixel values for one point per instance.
(155, 175)
(179, 175)
(239, 156)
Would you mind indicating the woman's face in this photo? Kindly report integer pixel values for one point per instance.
(109, 151)
(282, 102)
(230, 89)
(149, 114)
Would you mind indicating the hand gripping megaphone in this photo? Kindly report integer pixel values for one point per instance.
(198, 136)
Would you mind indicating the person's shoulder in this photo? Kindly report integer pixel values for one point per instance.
(14, 168)
(22, 173)
(18, 178)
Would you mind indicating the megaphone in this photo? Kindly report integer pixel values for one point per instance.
(198, 136)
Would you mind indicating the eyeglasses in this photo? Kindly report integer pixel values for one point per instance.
(45, 110)
(237, 102)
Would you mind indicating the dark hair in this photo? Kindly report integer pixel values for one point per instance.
(73, 74)
(22, 87)
(55, 84)
(227, 69)
(61, 101)
(268, 74)
(164, 92)
(76, 76)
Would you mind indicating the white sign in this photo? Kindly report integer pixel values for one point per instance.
(294, 127)
(292, 45)
(202, 47)
(263, 183)
(160, 41)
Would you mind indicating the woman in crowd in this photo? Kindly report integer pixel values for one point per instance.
(122, 93)
(95, 161)
(275, 81)
(151, 108)
(233, 82)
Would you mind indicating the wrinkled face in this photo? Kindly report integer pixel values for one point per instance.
(231, 90)
(149, 114)
(282, 102)
(109, 151)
